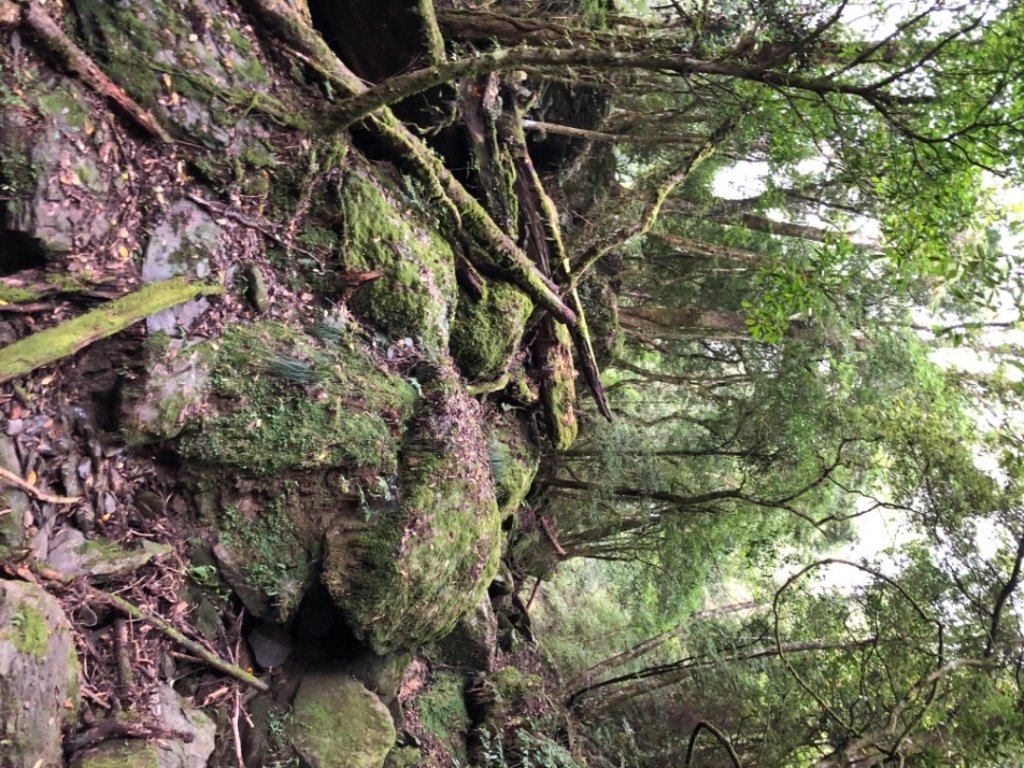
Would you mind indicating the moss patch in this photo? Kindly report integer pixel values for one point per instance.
(120, 754)
(487, 333)
(270, 555)
(29, 632)
(409, 575)
(287, 400)
(513, 459)
(416, 295)
(442, 710)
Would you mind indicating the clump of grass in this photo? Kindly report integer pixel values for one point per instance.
(291, 369)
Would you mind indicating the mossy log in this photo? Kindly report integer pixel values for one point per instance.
(53, 344)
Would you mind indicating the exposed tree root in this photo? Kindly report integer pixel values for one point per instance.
(494, 250)
(73, 58)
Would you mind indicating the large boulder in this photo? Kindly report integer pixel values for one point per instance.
(39, 686)
(488, 331)
(407, 574)
(337, 723)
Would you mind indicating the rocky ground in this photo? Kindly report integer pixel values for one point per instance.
(272, 525)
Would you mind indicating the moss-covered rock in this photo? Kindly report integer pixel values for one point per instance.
(285, 400)
(407, 575)
(119, 754)
(191, 746)
(487, 333)
(39, 686)
(337, 723)
(514, 460)
(188, 65)
(415, 296)
(443, 714)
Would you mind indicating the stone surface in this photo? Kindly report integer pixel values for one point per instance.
(181, 244)
(271, 644)
(412, 571)
(191, 750)
(39, 686)
(472, 644)
(338, 723)
(72, 554)
(381, 674)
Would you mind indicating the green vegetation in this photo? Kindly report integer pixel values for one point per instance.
(291, 402)
(28, 632)
(415, 296)
(409, 575)
(442, 711)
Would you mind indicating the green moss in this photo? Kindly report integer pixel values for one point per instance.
(513, 460)
(349, 413)
(558, 389)
(13, 295)
(274, 559)
(64, 103)
(120, 754)
(52, 344)
(337, 723)
(487, 333)
(442, 711)
(29, 632)
(410, 575)
(416, 295)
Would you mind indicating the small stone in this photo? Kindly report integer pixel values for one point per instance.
(271, 644)
(256, 288)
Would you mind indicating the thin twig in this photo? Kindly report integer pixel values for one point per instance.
(135, 612)
(9, 478)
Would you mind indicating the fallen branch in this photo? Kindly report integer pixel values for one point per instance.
(77, 61)
(132, 610)
(9, 478)
(53, 344)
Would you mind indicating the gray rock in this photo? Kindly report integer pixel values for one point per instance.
(191, 750)
(338, 723)
(39, 686)
(180, 245)
(74, 555)
(472, 645)
(271, 644)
